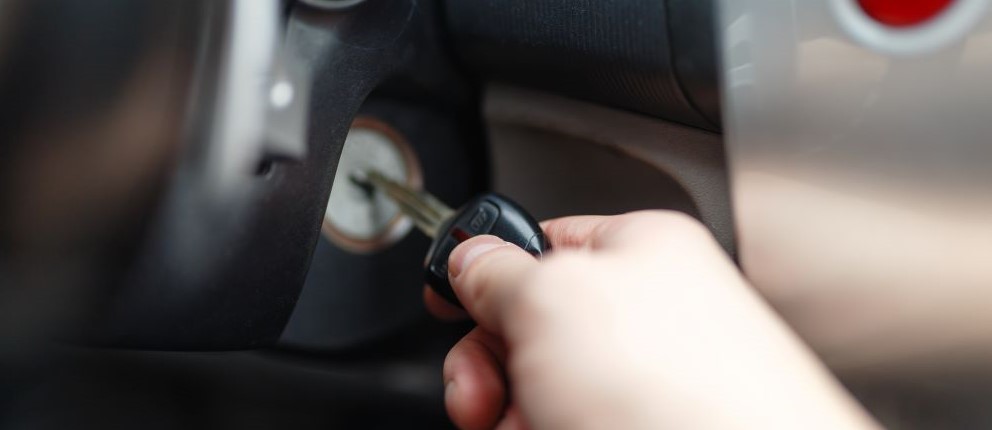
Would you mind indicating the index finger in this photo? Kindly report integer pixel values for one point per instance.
(632, 230)
(574, 231)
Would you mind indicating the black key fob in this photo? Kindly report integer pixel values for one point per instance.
(490, 214)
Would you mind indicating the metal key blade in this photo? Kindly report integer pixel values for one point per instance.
(426, 211)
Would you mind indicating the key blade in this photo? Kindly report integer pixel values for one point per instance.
(426, 211)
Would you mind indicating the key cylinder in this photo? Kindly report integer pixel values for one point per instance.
(356, 219)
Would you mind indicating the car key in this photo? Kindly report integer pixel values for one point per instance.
(490, 214)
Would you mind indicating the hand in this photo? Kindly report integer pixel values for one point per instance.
(634, 321)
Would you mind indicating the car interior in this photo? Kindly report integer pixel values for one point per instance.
(181, 245)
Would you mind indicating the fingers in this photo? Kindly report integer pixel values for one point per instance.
(646, 232)
(629, 231)
(573, 232)
(474, 386)
(486, 274)
(441, 308)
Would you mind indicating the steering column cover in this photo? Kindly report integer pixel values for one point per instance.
(654, 57)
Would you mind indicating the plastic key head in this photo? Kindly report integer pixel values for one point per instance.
(491, 214)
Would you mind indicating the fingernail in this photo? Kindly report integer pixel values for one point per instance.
(466, 253)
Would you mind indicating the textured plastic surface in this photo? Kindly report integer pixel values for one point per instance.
(351, 299)
(490, 214)
(654, 57)
(539, 141)
(245, 293)
(136, 218)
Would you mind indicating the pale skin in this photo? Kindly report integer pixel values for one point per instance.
(638, 321)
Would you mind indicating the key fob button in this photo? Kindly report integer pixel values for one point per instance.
(490, 214)
(439, 266)
(482, 220)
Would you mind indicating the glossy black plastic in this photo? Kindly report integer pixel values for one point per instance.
(490, 214)
(120, 224)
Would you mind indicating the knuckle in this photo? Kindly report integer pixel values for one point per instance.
(564, 231)
(553, 226)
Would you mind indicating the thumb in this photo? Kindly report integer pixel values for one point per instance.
(487, 273)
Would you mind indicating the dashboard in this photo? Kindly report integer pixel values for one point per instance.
(177, 217)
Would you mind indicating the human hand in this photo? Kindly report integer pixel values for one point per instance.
(634, 321)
